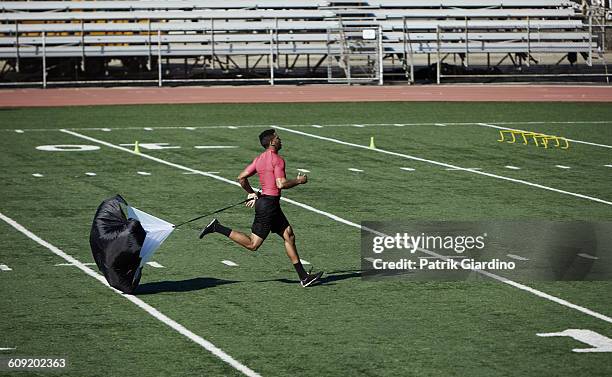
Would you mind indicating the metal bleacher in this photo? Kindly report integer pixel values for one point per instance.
(352, 39)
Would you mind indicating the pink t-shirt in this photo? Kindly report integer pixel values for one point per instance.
(269, 166)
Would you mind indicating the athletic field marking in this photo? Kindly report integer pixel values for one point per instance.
(598, 342)
(440, 124)
(303, 171)
(355, 170)
(229, 263)
(455, 169)
(135, 300)
(232, 127)
(4, 267)
(517, 257)
(378, 150)
(407, 169)
(143, 173)
(215, 146)
(192, 173)
(562, 167)
(72, 264)
(572, 140)
(155, 264)
(349, 223)
(304, 261)
(7, 348)
(106, 129)
(588, 256)
(37, 175)
(90, 174)
(512, 167)
(19, 131)
(608, 166)
(358, 125)
(190, 128)
(308, 125)
(148, 129)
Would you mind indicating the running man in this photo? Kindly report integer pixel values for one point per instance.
(269, 216)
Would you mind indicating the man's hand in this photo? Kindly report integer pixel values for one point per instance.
(251, 203)
(302, 178)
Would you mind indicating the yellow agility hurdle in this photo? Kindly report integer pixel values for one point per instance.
(539, 139)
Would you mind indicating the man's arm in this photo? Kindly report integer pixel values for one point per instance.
(243, 179)
(284, 183)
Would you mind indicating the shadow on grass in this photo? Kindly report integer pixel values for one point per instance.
(180, 285)
(328, 278)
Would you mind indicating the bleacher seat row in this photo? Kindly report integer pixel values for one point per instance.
(55, 29)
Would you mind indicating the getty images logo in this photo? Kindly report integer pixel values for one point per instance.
(459, 244)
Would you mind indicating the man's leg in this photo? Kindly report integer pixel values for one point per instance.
(292, 253)
(291, 250)
(289, 238)
(251, 242)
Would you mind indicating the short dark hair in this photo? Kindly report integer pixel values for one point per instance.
(265, 137)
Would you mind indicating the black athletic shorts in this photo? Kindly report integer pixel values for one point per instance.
(269, 217)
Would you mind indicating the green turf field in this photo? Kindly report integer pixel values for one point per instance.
(256, 312)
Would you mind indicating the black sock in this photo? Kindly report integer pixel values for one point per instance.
(300, 270)
(222, 229)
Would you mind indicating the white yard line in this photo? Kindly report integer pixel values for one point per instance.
(143, 173)
(91, 174)
(356, 170)
(517, 257)
(37, 175)
(354, 225)
(155, 264)
(378, 150)
(572, 140)
(562, 167)
(229, 263)
(135, 300)
(407, 169)
(262, 126)
(4, 267)
(455, 169)
(588, 256)
(512, 167)
(215, 146)
(72, 264)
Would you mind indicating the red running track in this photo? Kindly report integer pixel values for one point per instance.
(310, 93)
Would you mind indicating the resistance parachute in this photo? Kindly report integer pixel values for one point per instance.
(121, 245)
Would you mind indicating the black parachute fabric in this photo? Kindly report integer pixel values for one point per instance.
(116, 242)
